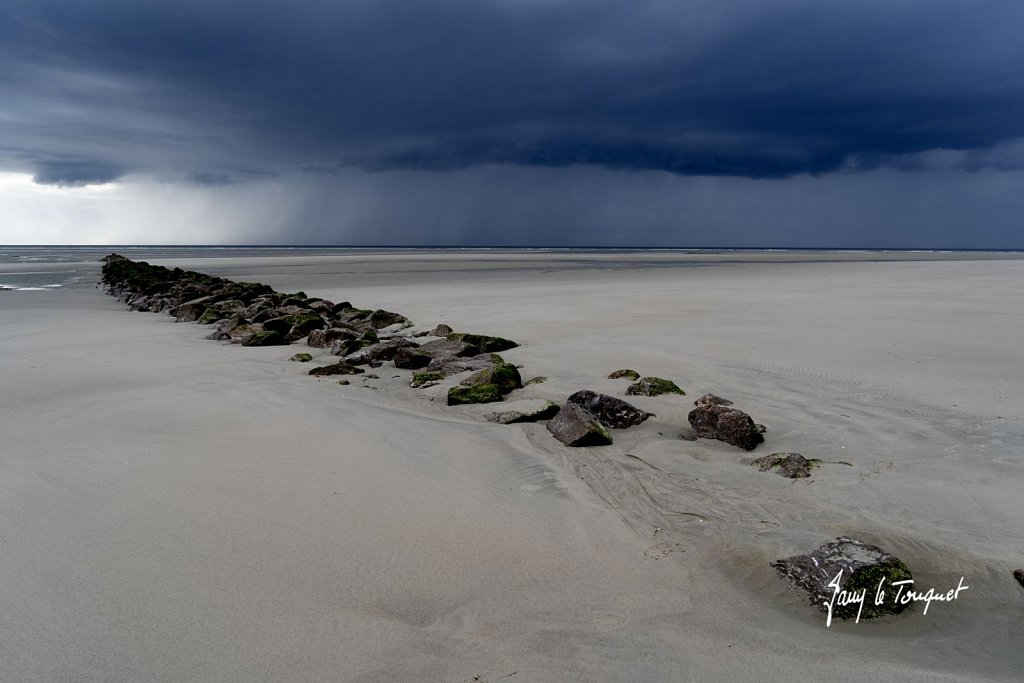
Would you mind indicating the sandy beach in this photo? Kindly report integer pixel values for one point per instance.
(173, 508)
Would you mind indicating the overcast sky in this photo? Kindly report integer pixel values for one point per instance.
(816, 123)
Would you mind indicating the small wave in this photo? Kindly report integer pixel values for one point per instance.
(18, 288)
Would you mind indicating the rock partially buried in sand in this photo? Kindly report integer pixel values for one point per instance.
(339, 368)
(713, 421)
(625, 374)
(479, 393)
(653, 386)
(1019, 575)
(712, 400)
(792, 465)
(301, 357)
(425, 379)
(612, 412)
(483, 342)
(574, 426)
(859, 566)
(527, 410)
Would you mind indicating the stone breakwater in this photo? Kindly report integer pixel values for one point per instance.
(253, 314)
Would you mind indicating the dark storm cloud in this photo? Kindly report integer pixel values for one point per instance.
(75, 173)
(759, 89)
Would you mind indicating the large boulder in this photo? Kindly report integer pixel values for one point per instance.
(487, 385)
(380, 352)
(835, 574)
(711, 421)
(442, 351)
(323, 338)
(381, 319)
(344, 347)
(483, 342)
(303, 324)
(504, 375)
(612, 412)
(264, 338)
(574, 426)
(411, 359)
(190, 311)
(471, 364)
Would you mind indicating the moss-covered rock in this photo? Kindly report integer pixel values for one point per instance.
(339, 368)
(264, 338)
(301, 357)
(501, 374)
(424, 379)
(792, 465)
(477, 393)
(854, 566)
(625, 374)
(539, 379)
(653, 386)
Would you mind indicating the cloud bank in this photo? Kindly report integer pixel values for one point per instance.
(588, 96)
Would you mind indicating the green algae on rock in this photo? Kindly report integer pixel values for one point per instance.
(792, 465)
(839, 572)
(265, 338)
(653, 386)
(425, 379)
(477, 393)
(625, 373)
(339, 368)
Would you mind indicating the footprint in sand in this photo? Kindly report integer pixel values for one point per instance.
(656, 552)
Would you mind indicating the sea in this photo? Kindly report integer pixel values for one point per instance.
(52, 267)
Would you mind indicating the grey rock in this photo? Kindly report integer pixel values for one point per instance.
(612, 412)
(653, 386)
(379, 352)
(792, 465)
(858, 565)
(726, 424)
(625, 373)
(712, 400)
(576, 427)
(526, 410)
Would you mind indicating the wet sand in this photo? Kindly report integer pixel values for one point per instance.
(174, 508)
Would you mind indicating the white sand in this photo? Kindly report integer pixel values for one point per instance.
(175, 509)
